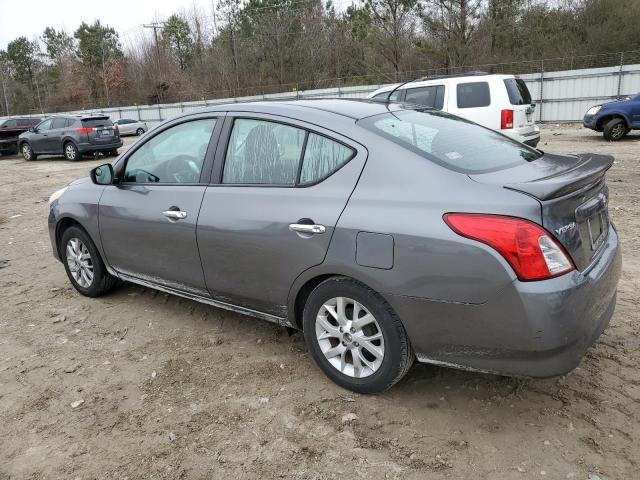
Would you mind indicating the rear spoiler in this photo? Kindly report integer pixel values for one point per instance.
(95, 117)
(589, 169)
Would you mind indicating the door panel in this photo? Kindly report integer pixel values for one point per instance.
(148, 222)
(250, 256)
(38, 140)
(140, 241)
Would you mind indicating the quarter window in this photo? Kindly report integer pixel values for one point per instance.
(473, 95)
(175, 155)
(322, 157)
(263, 153)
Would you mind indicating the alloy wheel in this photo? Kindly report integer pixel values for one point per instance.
(26, 152)
(79, 262)
(70, 151)
(618, 131)
(350, 337)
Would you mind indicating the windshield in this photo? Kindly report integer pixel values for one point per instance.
(450, 141)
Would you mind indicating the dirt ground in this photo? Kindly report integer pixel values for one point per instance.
(170, 388)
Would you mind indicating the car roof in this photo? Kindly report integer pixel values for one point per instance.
(454, 79)
(353, 108)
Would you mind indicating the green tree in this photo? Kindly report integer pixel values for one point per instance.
(98, 50)
(22, 56)
(178, 34)
(58, 44)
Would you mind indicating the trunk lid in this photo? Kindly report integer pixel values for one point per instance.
(573, 196)
(103, 130)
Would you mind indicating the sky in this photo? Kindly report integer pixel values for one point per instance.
(30, 17)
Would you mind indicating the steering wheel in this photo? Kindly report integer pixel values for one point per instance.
(183, 169)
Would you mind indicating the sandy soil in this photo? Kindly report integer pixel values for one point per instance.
(174, 389)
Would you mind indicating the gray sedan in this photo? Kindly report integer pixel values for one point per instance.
(386, 232)
(128, 126)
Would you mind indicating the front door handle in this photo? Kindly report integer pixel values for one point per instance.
(175, 214)
(305, 228)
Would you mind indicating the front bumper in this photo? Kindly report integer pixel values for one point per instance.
(99, 147)
(590, 121)
(535, 329)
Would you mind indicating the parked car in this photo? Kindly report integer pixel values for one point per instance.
(71, 136)
(385, 232)
(128, 126)
(499, 102)
(10, 130)
(614, 119)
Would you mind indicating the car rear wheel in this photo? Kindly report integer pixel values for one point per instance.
(27, 152)
(355, 337)
(139, 131)
(615, 129)
(83, 264)
(71, 151)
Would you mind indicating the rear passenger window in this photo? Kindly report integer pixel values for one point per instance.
(322, 157)
(59, 123)
(472, 95)
(432, 96)
(263, 153)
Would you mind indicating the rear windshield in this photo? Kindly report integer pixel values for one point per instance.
(518, 91)
(450, 141)
(96, 122)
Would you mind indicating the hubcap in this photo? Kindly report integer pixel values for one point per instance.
(79, 262)
(617, 131)
(349, 337)
(26, 151)
(71, 152)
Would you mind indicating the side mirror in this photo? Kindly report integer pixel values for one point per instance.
(33, 129)
(102, 175)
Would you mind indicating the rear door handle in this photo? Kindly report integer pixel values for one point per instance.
(305, 228)
(175, 214)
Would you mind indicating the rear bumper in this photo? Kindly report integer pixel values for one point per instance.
(535, 329)
(530, 137)
(99, 147)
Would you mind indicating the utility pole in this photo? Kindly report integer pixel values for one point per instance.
(156, 26)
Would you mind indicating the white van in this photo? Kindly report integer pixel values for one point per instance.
(500, 102)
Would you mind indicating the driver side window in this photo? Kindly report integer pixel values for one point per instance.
(175, 155)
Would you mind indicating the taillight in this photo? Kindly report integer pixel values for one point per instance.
(84, 130)
(506, 119)
(530, 249)
(115, 129)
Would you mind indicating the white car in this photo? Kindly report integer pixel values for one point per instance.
(499, 102)
(128, 126)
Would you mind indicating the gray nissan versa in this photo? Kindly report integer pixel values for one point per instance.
(386, 232)
(71, 136)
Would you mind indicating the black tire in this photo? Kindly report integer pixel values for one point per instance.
(27, 152)
(71, 152)
(112, 153)
(615, 129)
(139, 131)
(102, 281)
(398, 354)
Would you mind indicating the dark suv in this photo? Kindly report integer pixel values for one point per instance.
(10, 129)
(71, 136)
(614, 119)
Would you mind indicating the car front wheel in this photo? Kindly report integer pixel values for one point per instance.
(615, 129)
(83, 264)
(27, 152)
(355, 337)
(139, 131)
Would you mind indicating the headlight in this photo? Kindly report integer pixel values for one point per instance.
(56, 195)
(594, 110)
